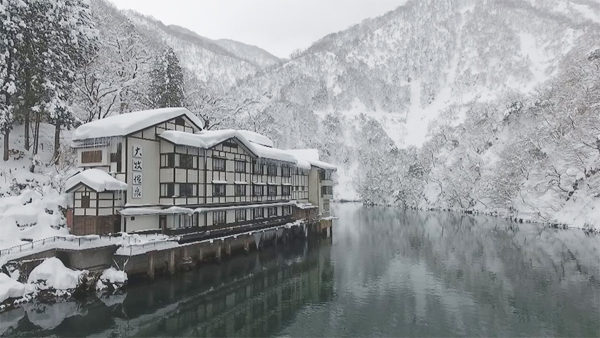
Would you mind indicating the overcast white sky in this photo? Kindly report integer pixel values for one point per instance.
(279, 26)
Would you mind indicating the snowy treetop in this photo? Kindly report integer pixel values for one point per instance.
(125, 124)
(96, 179)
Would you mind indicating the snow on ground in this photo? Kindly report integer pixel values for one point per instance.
(32, 215)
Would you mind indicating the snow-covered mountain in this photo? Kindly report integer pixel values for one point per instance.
(406, 67)
(217, 64)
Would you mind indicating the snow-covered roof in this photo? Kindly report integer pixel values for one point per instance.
(210, 138)
(307, 157)
(125, 124)
(95, 179)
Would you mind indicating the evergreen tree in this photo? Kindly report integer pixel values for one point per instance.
(11, 25)
(167, 86)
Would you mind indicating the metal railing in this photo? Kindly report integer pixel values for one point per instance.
(54, 239)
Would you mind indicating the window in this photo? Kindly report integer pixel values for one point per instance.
(325, 174)
(240, 190)
(167, 189)
(271, 211)
(285, 190)
(219, 217)
(218, 190)
(272, 170)
(240, 215)
(258, 190)
(257, 168)
(218, 164)
(91, 156)
(85, 200)
(286, 210)
(240, 166)
(259, 213)
(186, 190)
(179, 121)
(230, 144)
(116, 157)
(167, 160)
(285, 171)
(272, 190)
(186, 161)
(326, 190)
(162, 221)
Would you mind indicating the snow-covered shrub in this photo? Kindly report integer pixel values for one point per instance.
(111, 280)
(52, 275)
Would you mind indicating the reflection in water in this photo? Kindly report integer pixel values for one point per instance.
(388, 272)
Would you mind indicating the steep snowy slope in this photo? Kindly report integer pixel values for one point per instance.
(217, 65)
(418, 67)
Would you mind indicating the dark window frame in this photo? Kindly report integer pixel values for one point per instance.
(216, 190)
(271, 190)
(258, 213)
(239, 213)
(286, 171)
(240, 190)
(271, 170)
(219, 217)
(258, 168)
(240, 166)
(85, 200)
(272, 212)
(219, 160)
(283, 190)
(91, 156)
(186, 161)
(168, 159)
(170, 187)
(258, 188)
(186, 190)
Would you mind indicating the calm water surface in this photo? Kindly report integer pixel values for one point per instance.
(386, 272)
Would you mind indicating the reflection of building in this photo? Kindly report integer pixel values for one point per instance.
(157, 170)
(242, 297)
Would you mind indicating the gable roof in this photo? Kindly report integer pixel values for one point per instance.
(125, 124)
(210, 138)
(96, 179)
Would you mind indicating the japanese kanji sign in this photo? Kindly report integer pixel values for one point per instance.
(137, 167)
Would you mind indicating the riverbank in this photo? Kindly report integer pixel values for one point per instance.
(106, 263)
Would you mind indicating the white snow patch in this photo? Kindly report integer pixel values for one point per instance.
(10, 288)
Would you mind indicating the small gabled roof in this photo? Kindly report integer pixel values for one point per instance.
(257, 144)
(96, 180)
(125, 124)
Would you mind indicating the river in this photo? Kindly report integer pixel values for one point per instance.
(385, 272)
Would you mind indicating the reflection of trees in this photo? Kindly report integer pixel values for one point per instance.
(480, 273)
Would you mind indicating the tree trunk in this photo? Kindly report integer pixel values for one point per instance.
(36, 133)
(56, 143)
(6, 139)
(26, 123)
